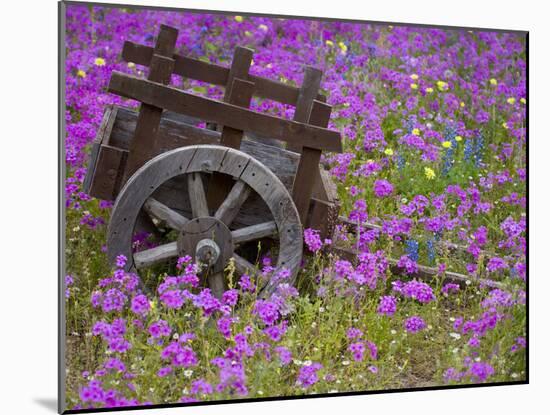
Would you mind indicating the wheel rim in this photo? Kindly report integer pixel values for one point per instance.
(191, 161)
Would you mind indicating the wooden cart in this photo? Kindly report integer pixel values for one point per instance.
(220, 188)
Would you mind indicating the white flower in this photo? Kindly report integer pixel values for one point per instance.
(346, 362)
(188, 373)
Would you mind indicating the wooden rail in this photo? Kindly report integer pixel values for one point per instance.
(173, 99)
(215, 74)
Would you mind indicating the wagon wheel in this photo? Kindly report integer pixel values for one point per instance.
(206, 235)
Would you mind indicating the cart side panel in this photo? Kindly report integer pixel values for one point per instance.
(108, 172)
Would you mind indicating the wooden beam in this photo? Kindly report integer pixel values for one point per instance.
(308, 168)
(161, 67)
(170, 98)
(304, 103)
(238, 92)
(215, 74)
(254, 232)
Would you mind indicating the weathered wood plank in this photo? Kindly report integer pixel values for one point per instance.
(304, 103)
(155, 255)
(309, 163)
(164, 214)
(145, 135)
(254, 232)
(215, 74)
(197, 195)
(172, 99)
(102, 137)
(108, 172)
(240, 94)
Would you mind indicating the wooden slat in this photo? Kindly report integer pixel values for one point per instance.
(155, 255)
(323, 216)
(102, 137)
(197, 196)
(304, 103)
(254, 232)
(161, 68)
(108, 172)
(170, 98)
(215, 74)
(240, 94)
(164, 214)
(309, 163)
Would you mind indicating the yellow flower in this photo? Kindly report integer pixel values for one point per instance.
(131, 65)
(442, 85)
(493, 81)
(388, 152)
(263, 27)
(343, 47)
(252, 62)
(429, 173)
(511, 100)
(414, 86)
(462, 105)
(329, 43)
(458, 138)
(505, 125)
(247, 33)
(429, 90)
(152, 304)
(238, 19)
(81, 73)
(99, 62)
(414, 77)
(416, 131)
(523, 100)
(446, 144)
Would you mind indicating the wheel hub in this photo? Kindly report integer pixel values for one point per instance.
(208, 241)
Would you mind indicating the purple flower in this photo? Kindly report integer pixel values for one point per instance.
(159, 328)
(382, 188)
(357, 350)
(481, 371)
(414, 324)
(267, 311)
(450, 288)
(387, 306)
(224, 326)
(353, 333)
(285, 356)
(496, 264)
(164, 371)
(121, 261)
(201, 387)
(140, 304)
(312, 239)
(308, 375)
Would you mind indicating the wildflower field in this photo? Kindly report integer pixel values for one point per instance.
(433, 174)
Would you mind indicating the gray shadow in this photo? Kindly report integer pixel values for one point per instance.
(48, 403)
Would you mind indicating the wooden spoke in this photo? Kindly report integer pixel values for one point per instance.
(216, 283)
(163, 213)
(251, 233)
(197, 196)
(242, 265)
(233, 202)
(155, 255)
